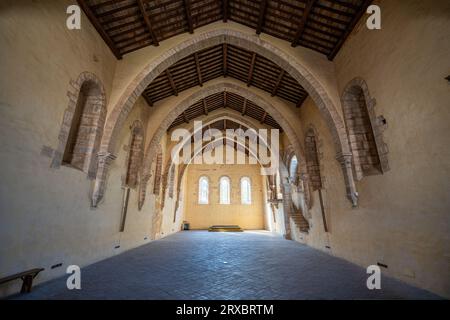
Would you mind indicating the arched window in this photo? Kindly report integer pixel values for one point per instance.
(293, 168)
(246, 191)
(203, 190)
(224, 190)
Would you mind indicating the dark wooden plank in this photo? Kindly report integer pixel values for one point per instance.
(199, 71)
(172, 83)
(187, 5)
(301, 27)
(147, 22)
(262, 12)
(97, 25)
(250, 71)
(349, 28)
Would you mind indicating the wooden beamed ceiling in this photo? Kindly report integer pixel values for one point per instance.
(128, 25)
(225, 100)
(225, 60)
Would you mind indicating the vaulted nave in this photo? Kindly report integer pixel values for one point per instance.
(224, 149)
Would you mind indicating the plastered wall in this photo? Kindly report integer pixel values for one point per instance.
(45, 214)
(202, 216)
(402, 219)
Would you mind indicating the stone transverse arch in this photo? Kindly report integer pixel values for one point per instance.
(202, 41)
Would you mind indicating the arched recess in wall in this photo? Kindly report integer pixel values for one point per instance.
(364, 129)
(205, 40)
(135, 154)
(82, 127)
(282, 172)
(158, 173)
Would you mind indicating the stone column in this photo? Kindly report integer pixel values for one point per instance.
(345, 159)
(104, 160)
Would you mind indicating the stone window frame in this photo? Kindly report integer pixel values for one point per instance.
(378, 126)
(230, 190)
(73, 94)
(251, 189)
(209, 189)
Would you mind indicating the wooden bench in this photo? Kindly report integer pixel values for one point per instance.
(26, 276)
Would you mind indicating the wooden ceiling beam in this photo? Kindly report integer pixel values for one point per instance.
(147, 22)
(250, 70)
(264, 117)
(172, 83)
(225, 11)
(300, 102)
(225, 60)
(302, 25)
(187, 6)
(277, 85)
(199, 71)
(244, 107)
(349, 28)
(262, 13)
(205, 107)
(225, 99)
(98, 26)
(185, 117)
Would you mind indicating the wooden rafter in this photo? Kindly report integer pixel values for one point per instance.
(205, 107)
(147, 21)
(349, 28)
(262, 12)
(172, 83)
(187, 7)
(250, 70)
(199, 71)
(128, 25)
(225, 59)
(225, 10)
(185, 117)
(277, 84)
(264, 117)
(244, 107)
(225, 102)
(97, 25)
(302, 25)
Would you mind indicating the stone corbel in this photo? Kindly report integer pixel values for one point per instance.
(345, 159)
(104, 160)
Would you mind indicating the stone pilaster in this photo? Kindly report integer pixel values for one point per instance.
(345, 159)
(104, 160)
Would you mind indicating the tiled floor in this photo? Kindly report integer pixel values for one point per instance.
(202, 265)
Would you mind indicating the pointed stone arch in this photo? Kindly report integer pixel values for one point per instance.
(208, 39)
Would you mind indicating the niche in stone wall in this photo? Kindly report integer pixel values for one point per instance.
(364, 130)
(82, 128)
